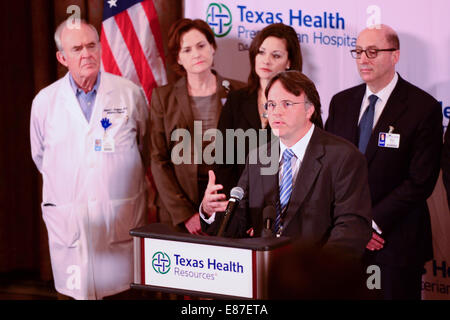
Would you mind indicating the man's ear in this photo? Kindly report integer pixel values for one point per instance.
(395, 57)
(310, 111)
(61, 58)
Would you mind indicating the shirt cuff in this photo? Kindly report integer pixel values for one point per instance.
(376, 228)
(209, 220)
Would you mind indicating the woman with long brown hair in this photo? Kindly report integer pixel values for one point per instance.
(275, 48)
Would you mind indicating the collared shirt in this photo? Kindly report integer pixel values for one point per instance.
(86, 100)
(383, 96)
(299, 149)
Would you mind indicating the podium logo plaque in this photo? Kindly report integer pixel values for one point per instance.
(161, 262)
(198, 267)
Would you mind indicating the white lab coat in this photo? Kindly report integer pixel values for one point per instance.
(96, 197)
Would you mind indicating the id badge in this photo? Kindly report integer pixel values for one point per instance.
(389, 140)
(108, 145)
(104, 145)
(98, 145)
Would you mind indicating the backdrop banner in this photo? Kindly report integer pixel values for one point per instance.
(327, 31)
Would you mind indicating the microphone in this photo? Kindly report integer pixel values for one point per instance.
(236, 195)
(269, 213)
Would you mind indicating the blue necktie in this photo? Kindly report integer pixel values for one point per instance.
(366, 124)
(285, 187)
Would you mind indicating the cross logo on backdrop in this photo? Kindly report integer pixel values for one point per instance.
(219, 18)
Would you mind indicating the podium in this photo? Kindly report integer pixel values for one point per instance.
(211, 267)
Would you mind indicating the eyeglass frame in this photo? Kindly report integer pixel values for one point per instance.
(283, 104)
(353, 51)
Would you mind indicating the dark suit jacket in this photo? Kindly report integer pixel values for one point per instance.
(239, 112)
(329, 204)
(177, 185)
(445, 163)
(400, 179)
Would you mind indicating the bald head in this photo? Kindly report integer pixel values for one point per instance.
(378, 70)
(385, 31)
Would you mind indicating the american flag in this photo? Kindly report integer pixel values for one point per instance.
(132, 48)
(132, 44)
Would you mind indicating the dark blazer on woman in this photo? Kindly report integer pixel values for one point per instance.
(239, 112)
(177, 196)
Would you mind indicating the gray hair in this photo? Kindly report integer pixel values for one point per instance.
(63, 25)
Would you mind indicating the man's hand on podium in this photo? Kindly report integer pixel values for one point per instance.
(193, 225)
(376, 242)
(213, 201)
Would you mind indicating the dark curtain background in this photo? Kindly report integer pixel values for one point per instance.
(28, 64)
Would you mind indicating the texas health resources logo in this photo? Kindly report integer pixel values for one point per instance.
(219, 18)
(161, 262)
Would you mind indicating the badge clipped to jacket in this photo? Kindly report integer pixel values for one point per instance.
(107, 143)
(389, 139)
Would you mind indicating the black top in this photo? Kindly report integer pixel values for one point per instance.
(239, 112)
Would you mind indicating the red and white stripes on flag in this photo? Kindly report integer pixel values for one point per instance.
(132, 44)
(132, 48)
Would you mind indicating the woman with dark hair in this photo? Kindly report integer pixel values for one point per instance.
(196, 96)
(275, 48)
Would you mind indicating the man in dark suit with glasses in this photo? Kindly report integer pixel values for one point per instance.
(398, 127)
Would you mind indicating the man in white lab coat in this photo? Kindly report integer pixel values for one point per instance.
(88, 139)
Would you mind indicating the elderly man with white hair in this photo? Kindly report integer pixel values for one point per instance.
(88, 139)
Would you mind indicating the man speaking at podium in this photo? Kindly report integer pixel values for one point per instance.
(320, 191)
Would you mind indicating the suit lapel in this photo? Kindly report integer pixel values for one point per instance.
(250, 110)
(307, 174)
(222, 93)
(394, 108)
(102, 100)
(353, 116)
(182, 97)
(70, 102)
(270, 181)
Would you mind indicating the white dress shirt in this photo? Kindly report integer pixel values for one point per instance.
(299, 150)
(383, 96)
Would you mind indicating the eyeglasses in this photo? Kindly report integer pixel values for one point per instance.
(370, 53)
(286, 104)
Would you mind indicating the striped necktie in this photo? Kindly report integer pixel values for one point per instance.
(285, 187)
